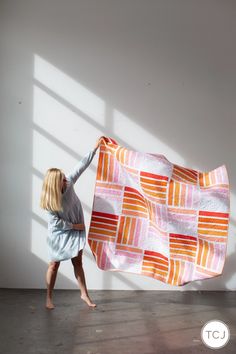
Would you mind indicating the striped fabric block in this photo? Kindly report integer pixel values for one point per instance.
(156, 218)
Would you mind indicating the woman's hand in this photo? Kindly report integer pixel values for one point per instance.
(99, 141)
(79, 227)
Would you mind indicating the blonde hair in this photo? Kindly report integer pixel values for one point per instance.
(51, 194)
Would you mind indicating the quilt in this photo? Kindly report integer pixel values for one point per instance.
(156, 218)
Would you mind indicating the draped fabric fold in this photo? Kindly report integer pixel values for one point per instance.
(156, 218)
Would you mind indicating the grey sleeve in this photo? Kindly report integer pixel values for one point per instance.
(55, 222)
(81, 166)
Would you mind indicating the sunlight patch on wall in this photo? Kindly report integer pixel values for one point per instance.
(62, 135)
(65, 125)
(47, 154)
(69, 89)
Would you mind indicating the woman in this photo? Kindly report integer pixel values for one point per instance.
(66, 230)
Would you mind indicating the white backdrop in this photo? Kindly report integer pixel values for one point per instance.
(157, 76)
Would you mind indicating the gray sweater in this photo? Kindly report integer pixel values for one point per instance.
(63, 241)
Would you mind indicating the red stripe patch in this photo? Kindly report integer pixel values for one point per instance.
(142, 173)
(155, 254)
(185, 237)
(105, 215)
(210, 213)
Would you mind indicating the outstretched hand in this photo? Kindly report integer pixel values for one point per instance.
(99, 141)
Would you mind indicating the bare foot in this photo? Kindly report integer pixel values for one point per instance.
(49, 304)
(88, 301)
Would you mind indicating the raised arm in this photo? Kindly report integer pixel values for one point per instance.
(82, 165)
(55, 222)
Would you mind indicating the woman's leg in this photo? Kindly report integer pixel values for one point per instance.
(50, 280)
(79, 274)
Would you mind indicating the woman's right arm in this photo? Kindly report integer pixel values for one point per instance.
(81, 166)
(78, 226)
(55, 222)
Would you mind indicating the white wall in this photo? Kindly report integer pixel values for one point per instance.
(157, 76)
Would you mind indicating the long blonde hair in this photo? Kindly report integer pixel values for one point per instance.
(51, 194)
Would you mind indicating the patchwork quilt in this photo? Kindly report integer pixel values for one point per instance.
(156, 218)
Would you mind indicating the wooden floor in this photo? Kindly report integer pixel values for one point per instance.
(135, 322)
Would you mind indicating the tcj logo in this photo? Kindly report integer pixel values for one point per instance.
(215, 334)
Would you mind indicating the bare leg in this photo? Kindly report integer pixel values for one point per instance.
(50, 280)
(79, 274)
